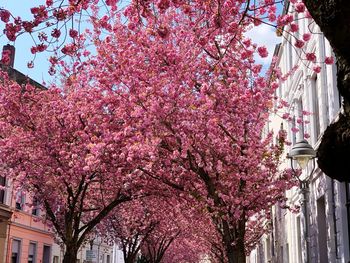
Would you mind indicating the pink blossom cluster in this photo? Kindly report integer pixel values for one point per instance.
(171, 104)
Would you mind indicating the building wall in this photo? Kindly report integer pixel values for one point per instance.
(103, 252)
(327, 227)
(27, 235)
(25, 229)
(5, 215)
(117, 254)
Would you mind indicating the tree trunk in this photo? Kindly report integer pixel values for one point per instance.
(235, 253)
(332, 16)
(233, 240)
(239, 251)
(70, 254)
(130, 258)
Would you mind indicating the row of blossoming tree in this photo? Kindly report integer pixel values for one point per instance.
(157, 135)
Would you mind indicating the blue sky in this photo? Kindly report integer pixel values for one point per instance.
(24, 42)
(264, 35)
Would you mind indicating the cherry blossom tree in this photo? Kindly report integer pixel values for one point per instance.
(193, 101)
(155, 248)
(181, 235)
(129, 226)
(159, 229)
(200, 108)
(53, 22)
(69, 151)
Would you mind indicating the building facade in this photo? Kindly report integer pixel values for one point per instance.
(319, 230)
(95, 251)
(25, 237)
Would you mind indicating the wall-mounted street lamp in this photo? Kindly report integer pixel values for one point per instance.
(302, 152)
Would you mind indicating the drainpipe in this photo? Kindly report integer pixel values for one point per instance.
(7, 252)
(334, 221)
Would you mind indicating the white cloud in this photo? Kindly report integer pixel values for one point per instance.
(264, 35)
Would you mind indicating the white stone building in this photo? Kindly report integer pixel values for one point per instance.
(95, 251)
(323, 235)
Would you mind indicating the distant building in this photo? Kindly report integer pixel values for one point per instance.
(95, 251)
(323, 234)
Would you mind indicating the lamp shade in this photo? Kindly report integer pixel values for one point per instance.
(302, 152)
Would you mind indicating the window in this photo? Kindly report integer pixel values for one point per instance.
(35, 209)
(337, 99)
(20, 200)
(268, 249)
(300, 119)
(108, 260)
(294, 132)
(316, 106)
(2, 189)
(291, 56)
(16, 251)
(32, 252)
(281, 254)
(322, 230)
(46, 254)
(55, 259)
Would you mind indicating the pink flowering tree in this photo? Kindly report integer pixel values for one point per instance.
(155, 247)
(197, 104)
(56, 26)
(200, 108)
(159, 229)
(129, 226)
(181, 234)
(66, 148)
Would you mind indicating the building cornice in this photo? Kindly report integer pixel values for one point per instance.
(45, 232)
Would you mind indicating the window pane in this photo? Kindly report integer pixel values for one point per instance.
(2, 196)
(316, 109)
(16, 245)
(20, 200)
(2, 191)
(46, 254)
(32, 253)
(2, 180)
(35, 209)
